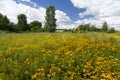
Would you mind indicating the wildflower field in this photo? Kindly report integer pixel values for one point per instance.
(60, 56)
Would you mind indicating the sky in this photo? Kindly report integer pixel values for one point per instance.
(69, 13)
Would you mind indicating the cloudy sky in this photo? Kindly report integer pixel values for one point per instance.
(69, 13)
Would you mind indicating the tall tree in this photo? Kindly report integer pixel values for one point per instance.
(22, 22)
(35, 26)
(4, 21)
(50, 24)
(105, 27)
(1, 21)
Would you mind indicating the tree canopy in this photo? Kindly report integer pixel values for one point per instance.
(4, 21)
(22, 22)
(105, 27)
(35, 26)
(50, 24)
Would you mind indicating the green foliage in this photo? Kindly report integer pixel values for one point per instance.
(92, 28)
(88, 27)
(111, 30)
(98, 29)
(11, 26)
(22, 22)
(35, 26)
(50, 24)
(84, 28)
(67, 30)
(17, 28)
(4, 21)
(105, 27)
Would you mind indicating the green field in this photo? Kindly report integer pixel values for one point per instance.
(60, 56)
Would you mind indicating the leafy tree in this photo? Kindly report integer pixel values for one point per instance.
(1, 21)
(4, 21)
(17, 28)
(99, 29)
(22, 22)
(1, 15)
(84, 27)
(50, 24)
(111, 30)
(81, 27)
(35, 26)
(87, 27)
(92, 28)
(11, 26)
(105, 27)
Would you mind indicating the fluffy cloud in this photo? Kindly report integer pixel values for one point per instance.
(98, 8)
(101, 10)
(12, 9)
(62, 16)
(62, 19)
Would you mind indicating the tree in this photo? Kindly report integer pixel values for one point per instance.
(4, 21)
(81, 27)
(92, 28)
(50, 24)
(35, 26)
(105, 27)
(11, 26)
(22, 22)
(87, 26)
(111, 30)
(1, 21)
(84, 27)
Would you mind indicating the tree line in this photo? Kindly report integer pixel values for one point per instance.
(34, 26)
(92, 28)
(50, 24)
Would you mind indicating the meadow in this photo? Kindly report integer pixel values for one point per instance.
(60, 56)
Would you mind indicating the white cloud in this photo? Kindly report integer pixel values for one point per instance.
(112, 22)
(98, 8)
(101, 10)
(62, 16)
(33, 13)
(27, 0)
(96, 22)
(12, 9)
(65, 26)
(62, 20)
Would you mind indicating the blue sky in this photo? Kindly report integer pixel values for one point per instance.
(69, 13)
(63, 5)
